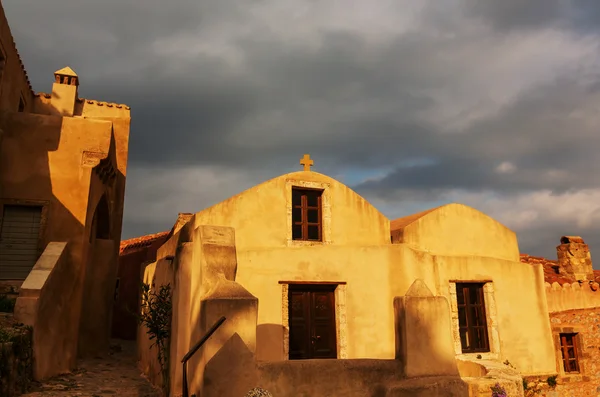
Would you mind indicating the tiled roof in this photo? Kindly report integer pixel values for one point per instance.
(141, 242)
(550, 268)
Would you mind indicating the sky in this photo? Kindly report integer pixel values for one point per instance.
(493, 104)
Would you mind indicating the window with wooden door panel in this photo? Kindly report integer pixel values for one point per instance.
(570, 356)
(472, 318)
(306, 214)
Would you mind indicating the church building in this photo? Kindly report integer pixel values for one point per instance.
(314, 281)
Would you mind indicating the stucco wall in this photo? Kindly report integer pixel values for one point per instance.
(368, 298)
(260, 214)
(572, 296)
(96, 310)
(46, 304)
(461, 230)
(520, 307)
(39, 164)
(457, 244)
(49, 160)
(14, 82)
(39, 157)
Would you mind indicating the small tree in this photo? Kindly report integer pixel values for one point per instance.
(155, 314)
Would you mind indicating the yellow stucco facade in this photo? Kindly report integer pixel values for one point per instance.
(368, 261)
(63, 163)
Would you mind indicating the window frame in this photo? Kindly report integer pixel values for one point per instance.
(563, 339)
(304, 209)
(33, 203)
(481, 344)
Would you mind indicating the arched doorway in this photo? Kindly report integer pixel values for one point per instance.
(101, 220)
(100, 272)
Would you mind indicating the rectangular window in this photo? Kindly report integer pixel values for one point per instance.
(568, 346)
(21, 104)
(306, 214)
(472, 318)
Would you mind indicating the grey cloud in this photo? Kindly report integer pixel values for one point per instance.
(580, 15)
(537, 133)
(345, 100)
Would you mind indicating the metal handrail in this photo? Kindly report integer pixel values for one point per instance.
(194, 349)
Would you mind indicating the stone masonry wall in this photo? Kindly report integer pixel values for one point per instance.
(586, 323)
(16, 357)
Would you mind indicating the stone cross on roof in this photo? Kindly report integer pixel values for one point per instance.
(307, 162)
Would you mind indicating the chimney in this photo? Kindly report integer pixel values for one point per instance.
(574, 259)
(64, 91)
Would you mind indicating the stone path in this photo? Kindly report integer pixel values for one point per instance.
(115, 375)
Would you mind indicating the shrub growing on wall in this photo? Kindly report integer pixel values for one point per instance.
(155, 315)
(7, 304)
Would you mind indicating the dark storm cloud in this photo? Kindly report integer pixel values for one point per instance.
(225, 94)
(364, 96)
(579, 15)
(552, 150)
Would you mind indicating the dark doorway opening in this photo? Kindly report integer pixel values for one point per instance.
(101, 221)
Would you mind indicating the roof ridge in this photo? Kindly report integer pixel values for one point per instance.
(141, 240)
(527, 256)
(90, 101)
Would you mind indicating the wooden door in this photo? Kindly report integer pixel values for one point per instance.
(312, 322)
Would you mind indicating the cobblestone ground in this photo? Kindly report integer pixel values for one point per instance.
(115, 375)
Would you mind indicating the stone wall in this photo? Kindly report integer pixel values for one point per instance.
(16, 357)
(586, 323)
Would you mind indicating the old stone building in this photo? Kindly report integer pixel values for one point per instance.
(315, 283)
(573, 296)
(63, 163)
(134, 254)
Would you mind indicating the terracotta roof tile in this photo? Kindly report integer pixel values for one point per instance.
(141, 242)
(550, 268)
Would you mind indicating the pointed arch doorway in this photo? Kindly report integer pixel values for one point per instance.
(99, 283)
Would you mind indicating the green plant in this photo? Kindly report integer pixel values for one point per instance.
(16, 358)
(552, 381)
(155, 314)
(509, 364)
(5, 335)
(7, 304)
(498, 391)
